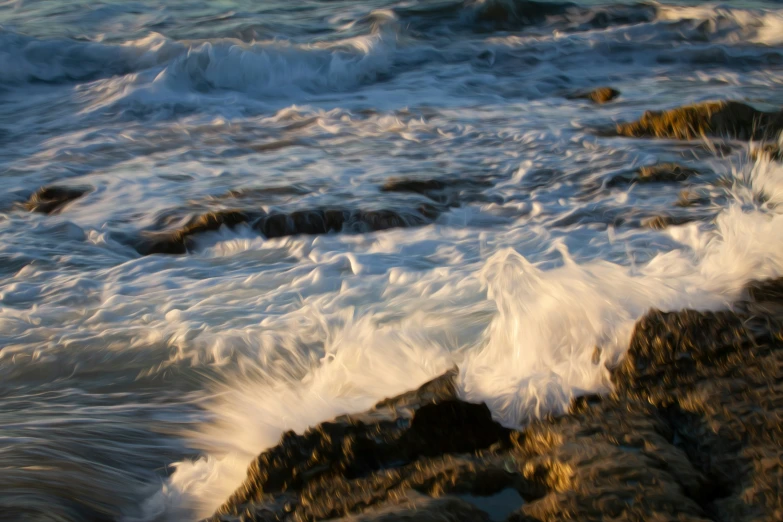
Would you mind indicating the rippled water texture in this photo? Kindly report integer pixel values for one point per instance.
(139, 387)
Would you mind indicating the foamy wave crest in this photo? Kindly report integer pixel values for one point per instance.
(556, 331)
(25, 59)
(276, 70)
(260, 71)
(726, 24)
(361, 365)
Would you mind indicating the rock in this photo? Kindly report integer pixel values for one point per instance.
(278, 224)
(415, 507)
(52, 199)
(600, 95)
(502, 14)
(661, 222)
(768, 151)
(691, 198)
(659, 173)
(607, 460)
(423, 440)
(176, 242)
(693, 431)
(718, 379)
(262, 193)
(450, 193)
(666, 172)
(419, 186)
(724, 119)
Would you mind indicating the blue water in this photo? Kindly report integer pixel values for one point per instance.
(140, 387)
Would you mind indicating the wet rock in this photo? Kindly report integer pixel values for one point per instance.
(666, 172)
(419, 186)
(691, 198)
(765, 299)
(177, 242)
(52, 199)
(607, 460)
(770, 290)
(415, 507)
(508, 15)
(718, 379)
(425, 440)
(725, 119)
(661, 222)
(444, 192)
(693, 431)
(659, 173)
(262, 194)
(599, 96)
(278, 224)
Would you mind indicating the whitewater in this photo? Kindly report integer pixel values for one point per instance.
(139, 387)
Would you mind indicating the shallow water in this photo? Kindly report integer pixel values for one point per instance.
(139, 388)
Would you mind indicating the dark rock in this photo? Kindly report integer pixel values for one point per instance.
(765, 299)
(52, 199)
(690, 198)
(451, 193)
(770, 290)
(724, 119)
(278, 224)
(659, 173)
(607, 460)
(177, 242)
(262, 194)
(502, 14)
(661, 222)
(415, 507)
(666, 172)
(359, 461)
(599, 95)
(718, 379)
(419, 186)
(693, 431)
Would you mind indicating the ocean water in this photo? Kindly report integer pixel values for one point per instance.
(138, 388)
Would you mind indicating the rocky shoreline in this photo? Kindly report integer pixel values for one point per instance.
(691, 432)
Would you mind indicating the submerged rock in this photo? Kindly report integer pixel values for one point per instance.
(419, 186)
(599, 96)
(724, 119)
(278, 224)
(659, 173)
(176, 242)
(661, 222)
(693, 431)
(445, 192)
(666, 172)
(692, 198)
(52, 199)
